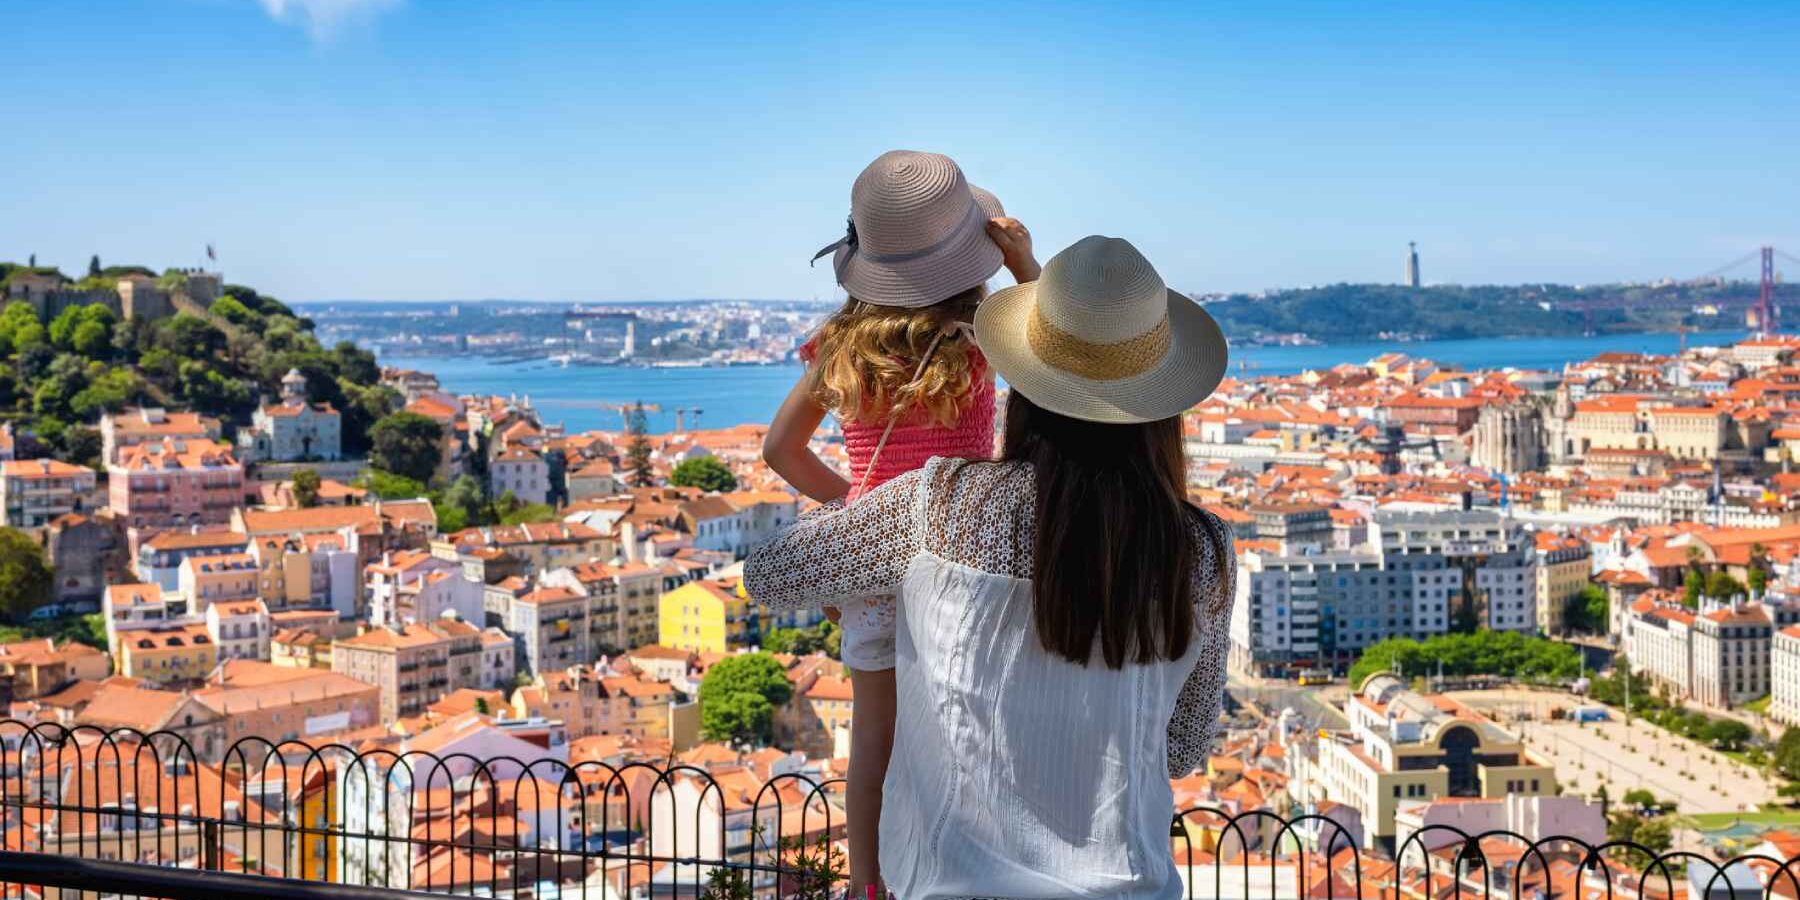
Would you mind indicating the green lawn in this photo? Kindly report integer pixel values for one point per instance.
(1772, 816)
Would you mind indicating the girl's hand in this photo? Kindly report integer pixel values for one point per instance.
(1015, 247)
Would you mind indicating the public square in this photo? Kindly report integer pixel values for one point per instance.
(1587, 755)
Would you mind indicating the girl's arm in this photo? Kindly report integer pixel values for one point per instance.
(785, 446)
(838, 553)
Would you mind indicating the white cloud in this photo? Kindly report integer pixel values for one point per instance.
(323, 18)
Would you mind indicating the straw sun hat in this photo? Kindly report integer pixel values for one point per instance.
(918, 232)
(1099, 337)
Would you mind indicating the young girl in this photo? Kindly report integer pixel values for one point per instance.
(898, 367)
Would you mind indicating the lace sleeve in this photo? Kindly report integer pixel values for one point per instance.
(1197, 707)
(839, 553)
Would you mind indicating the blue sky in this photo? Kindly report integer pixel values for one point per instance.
(428, 149)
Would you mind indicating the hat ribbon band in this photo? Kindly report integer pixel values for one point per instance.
(1096, 361)
(976, 218)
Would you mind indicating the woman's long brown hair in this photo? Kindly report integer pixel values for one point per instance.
(1114, 560)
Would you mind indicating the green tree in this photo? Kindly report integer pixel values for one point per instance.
(26, 581)
(92, 340)
(464, 496)
(20, 328)
(821, 638)
(705, 473)
(306, 488)
(449, 518)
(111, 392)
(1479, 653)
(738, 698)
(80, 445)
(529, 512)
(1588, 610)
(508, 503)
(1656, 834)
(189, 337)
(407, 444)
(1693, 585)
(1721, 586)
(1726, 734)
(389, 486)
(637, 449)
(361, 406)
(1787, 754)
(229, 309)
(1640, 798)
(94, 266)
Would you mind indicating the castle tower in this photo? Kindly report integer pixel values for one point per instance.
(1412, 264)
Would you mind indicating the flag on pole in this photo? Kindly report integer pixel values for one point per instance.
(210, 254)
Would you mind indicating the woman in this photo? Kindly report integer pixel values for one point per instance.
(1064, 610)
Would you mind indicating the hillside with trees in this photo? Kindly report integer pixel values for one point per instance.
(222, 360)
(1366, 312)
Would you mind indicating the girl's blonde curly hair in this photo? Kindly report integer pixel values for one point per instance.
(865, 356)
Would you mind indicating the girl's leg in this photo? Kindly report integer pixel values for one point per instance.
(871, 743)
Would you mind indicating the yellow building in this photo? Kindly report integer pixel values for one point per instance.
(708, 616)
(1564, 568)
(168, 654)
(1404, 748)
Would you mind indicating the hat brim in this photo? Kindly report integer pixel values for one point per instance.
(1188, 374)
(929, 279)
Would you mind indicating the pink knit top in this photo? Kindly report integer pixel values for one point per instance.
(916, 436)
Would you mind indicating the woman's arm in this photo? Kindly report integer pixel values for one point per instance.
(1197, 706)
(785, 446)
(834, 555)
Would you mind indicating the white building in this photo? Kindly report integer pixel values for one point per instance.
(293, 429)
(240, 629)
(415, 586)
(1658, 641)
(132, 606)
(1784, 676)
(33, 492)
(522, 471)
(1423, 574)
(1724, 656)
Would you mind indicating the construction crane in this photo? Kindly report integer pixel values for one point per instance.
(680, 420)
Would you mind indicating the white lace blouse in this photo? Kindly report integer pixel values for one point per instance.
(1015, 772)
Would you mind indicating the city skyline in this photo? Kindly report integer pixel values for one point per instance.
(392, 150)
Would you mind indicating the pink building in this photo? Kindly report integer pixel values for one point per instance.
(171, 483)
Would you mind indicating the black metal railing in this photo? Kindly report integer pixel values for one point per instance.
(128, 813)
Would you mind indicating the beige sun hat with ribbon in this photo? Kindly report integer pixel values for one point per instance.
(917, 232)
(1099, 337)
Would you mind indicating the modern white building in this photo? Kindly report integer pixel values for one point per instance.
(1422, 574)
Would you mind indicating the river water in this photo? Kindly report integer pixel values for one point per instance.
(735, 395)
